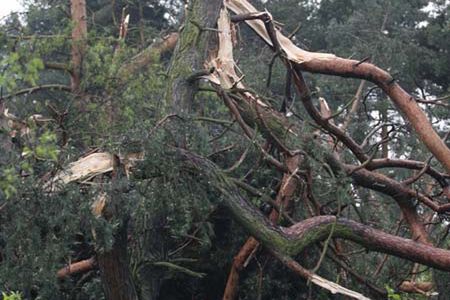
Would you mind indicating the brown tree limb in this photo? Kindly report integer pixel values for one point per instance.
(226, 77)
(332, 65)
(149, 55)
(79, 34)
(292, 240)
(282, 202)
(416, 287)
(441, 178)
(58, 66)
(379, 291)
(113, 263)
(75, 268)
(334, 288)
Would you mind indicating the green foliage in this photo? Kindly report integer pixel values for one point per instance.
(181, 241)
(12, 296)
(391, 294)
(8, 182)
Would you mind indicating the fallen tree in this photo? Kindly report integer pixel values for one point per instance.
(293, 149)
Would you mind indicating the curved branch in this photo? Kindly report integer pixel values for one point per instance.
(391, 187)
(409, 164)
(403, 101)
(292, 240)
(292, 134)
(305, 96)
(331, 65)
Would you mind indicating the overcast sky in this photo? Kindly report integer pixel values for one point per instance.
(7, 6)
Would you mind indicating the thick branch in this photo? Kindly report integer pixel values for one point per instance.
(77, 267)
(292, 240)
(332, 65)
(275, 125)
(149, 55)
(441, 178)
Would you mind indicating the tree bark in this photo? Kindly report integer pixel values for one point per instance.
(196, 42)
(291, 241)
(79, 34)
(289, 136)
(114, 271)
(284, 198)
(149, 55)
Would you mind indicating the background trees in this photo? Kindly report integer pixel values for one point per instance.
(159, 225)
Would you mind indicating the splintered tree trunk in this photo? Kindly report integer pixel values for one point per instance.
(197, 41)
(79, 33)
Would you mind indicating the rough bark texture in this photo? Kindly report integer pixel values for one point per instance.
(291, 241)
(79, 34)
(284, 199)
(195, 44)
(290, 137)
(114, 272)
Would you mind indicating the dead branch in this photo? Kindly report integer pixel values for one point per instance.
(330, 64)
(334, 288)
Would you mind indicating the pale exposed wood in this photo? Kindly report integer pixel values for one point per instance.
(293, 52)
(332, 65)
(225, 74)
(84, 168)
(88, 167)
(333, 287)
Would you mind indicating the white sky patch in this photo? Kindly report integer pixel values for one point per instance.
(9, 6)
(433, 9)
